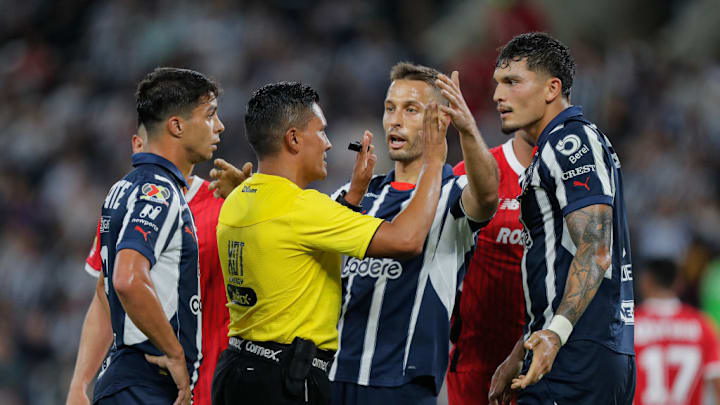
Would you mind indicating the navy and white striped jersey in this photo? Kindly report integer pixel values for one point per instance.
(574, 166)
(146, 211)
(394, 324)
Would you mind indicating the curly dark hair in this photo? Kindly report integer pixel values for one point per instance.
(275, 108)
(543, 53)
(167, 91)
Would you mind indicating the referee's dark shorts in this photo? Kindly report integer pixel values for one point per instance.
(270, 373)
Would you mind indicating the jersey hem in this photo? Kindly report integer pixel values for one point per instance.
(587, 201)
(143, 250)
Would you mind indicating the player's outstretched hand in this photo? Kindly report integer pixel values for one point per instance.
(462, 118)
(362, 171)
(545, 345)
(77, 396)
(226, 177)
(500, 392)
(178, 370)
(434, 135)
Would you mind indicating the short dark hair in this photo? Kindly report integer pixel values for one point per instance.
(167, 90)
(663, 271)
(411, 71)
(544, 53)
(275, 108)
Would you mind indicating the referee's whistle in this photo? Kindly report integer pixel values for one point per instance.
(356, 146)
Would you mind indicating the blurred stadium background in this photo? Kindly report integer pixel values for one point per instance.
(648, 74)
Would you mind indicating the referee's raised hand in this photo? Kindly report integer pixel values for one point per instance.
(362, 171)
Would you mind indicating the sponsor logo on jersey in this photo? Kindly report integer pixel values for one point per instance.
(626, 272)
(142, 231)
(243, 296)
(582, 184)
(248, 189)
(155, 193)
(512, 236)
(627, 312)
(117, 191)
(574, 158)
(509, 204)
(104, 224)
(195, 305)
(568, 145)
(145, 222)
(150, 211)
(578, 171)
(371, 267)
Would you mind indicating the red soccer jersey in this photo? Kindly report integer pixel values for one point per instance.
(215, 317)
(676, 349)
(492, 303)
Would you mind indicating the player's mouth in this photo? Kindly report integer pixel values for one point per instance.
(396, 141)
(504, 111)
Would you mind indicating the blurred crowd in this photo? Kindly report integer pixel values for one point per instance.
(649, 76)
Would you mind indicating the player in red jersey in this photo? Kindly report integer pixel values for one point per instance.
(490, 315)
(676, 345)
(205, 208)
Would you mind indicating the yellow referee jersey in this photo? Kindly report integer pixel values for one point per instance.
(280, 248)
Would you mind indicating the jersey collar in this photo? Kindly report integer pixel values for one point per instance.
(447, 172)
(144, 158)
(565, 115)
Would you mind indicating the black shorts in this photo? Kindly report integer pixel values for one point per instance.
(584, 373)
(259, 377)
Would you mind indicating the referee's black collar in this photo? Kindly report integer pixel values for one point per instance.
(566, 114)
(447, 171)
(144, 158)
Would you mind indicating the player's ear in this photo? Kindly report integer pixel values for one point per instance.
(553, 89)
(176, 126)
(293, 140)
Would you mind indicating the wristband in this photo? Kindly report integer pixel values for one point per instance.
(562, 326)
(341, 199)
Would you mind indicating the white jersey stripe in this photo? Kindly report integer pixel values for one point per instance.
(526, 290)
(600, 166)
(129, 207)
(549, 225)
(548, 156)
(371, 330)
(431, 247)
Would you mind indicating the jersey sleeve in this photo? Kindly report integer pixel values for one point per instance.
(323, 224)
(579, 171)
(711, 350)
(152, 215)
(93, 262)
(458, 211)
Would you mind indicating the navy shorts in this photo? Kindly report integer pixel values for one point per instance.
(138, 394)
(585, 373)
(416, 392)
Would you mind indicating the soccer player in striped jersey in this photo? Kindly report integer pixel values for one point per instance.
(146, 225)
(205, 206)
(577, 274)
(395, 320)
(489, 315)
(677, 346)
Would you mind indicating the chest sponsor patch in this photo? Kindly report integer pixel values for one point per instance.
(155, 193)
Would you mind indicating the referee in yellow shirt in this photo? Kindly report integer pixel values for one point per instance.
(280, 247)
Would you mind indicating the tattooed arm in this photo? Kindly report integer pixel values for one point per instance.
(591, 230)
